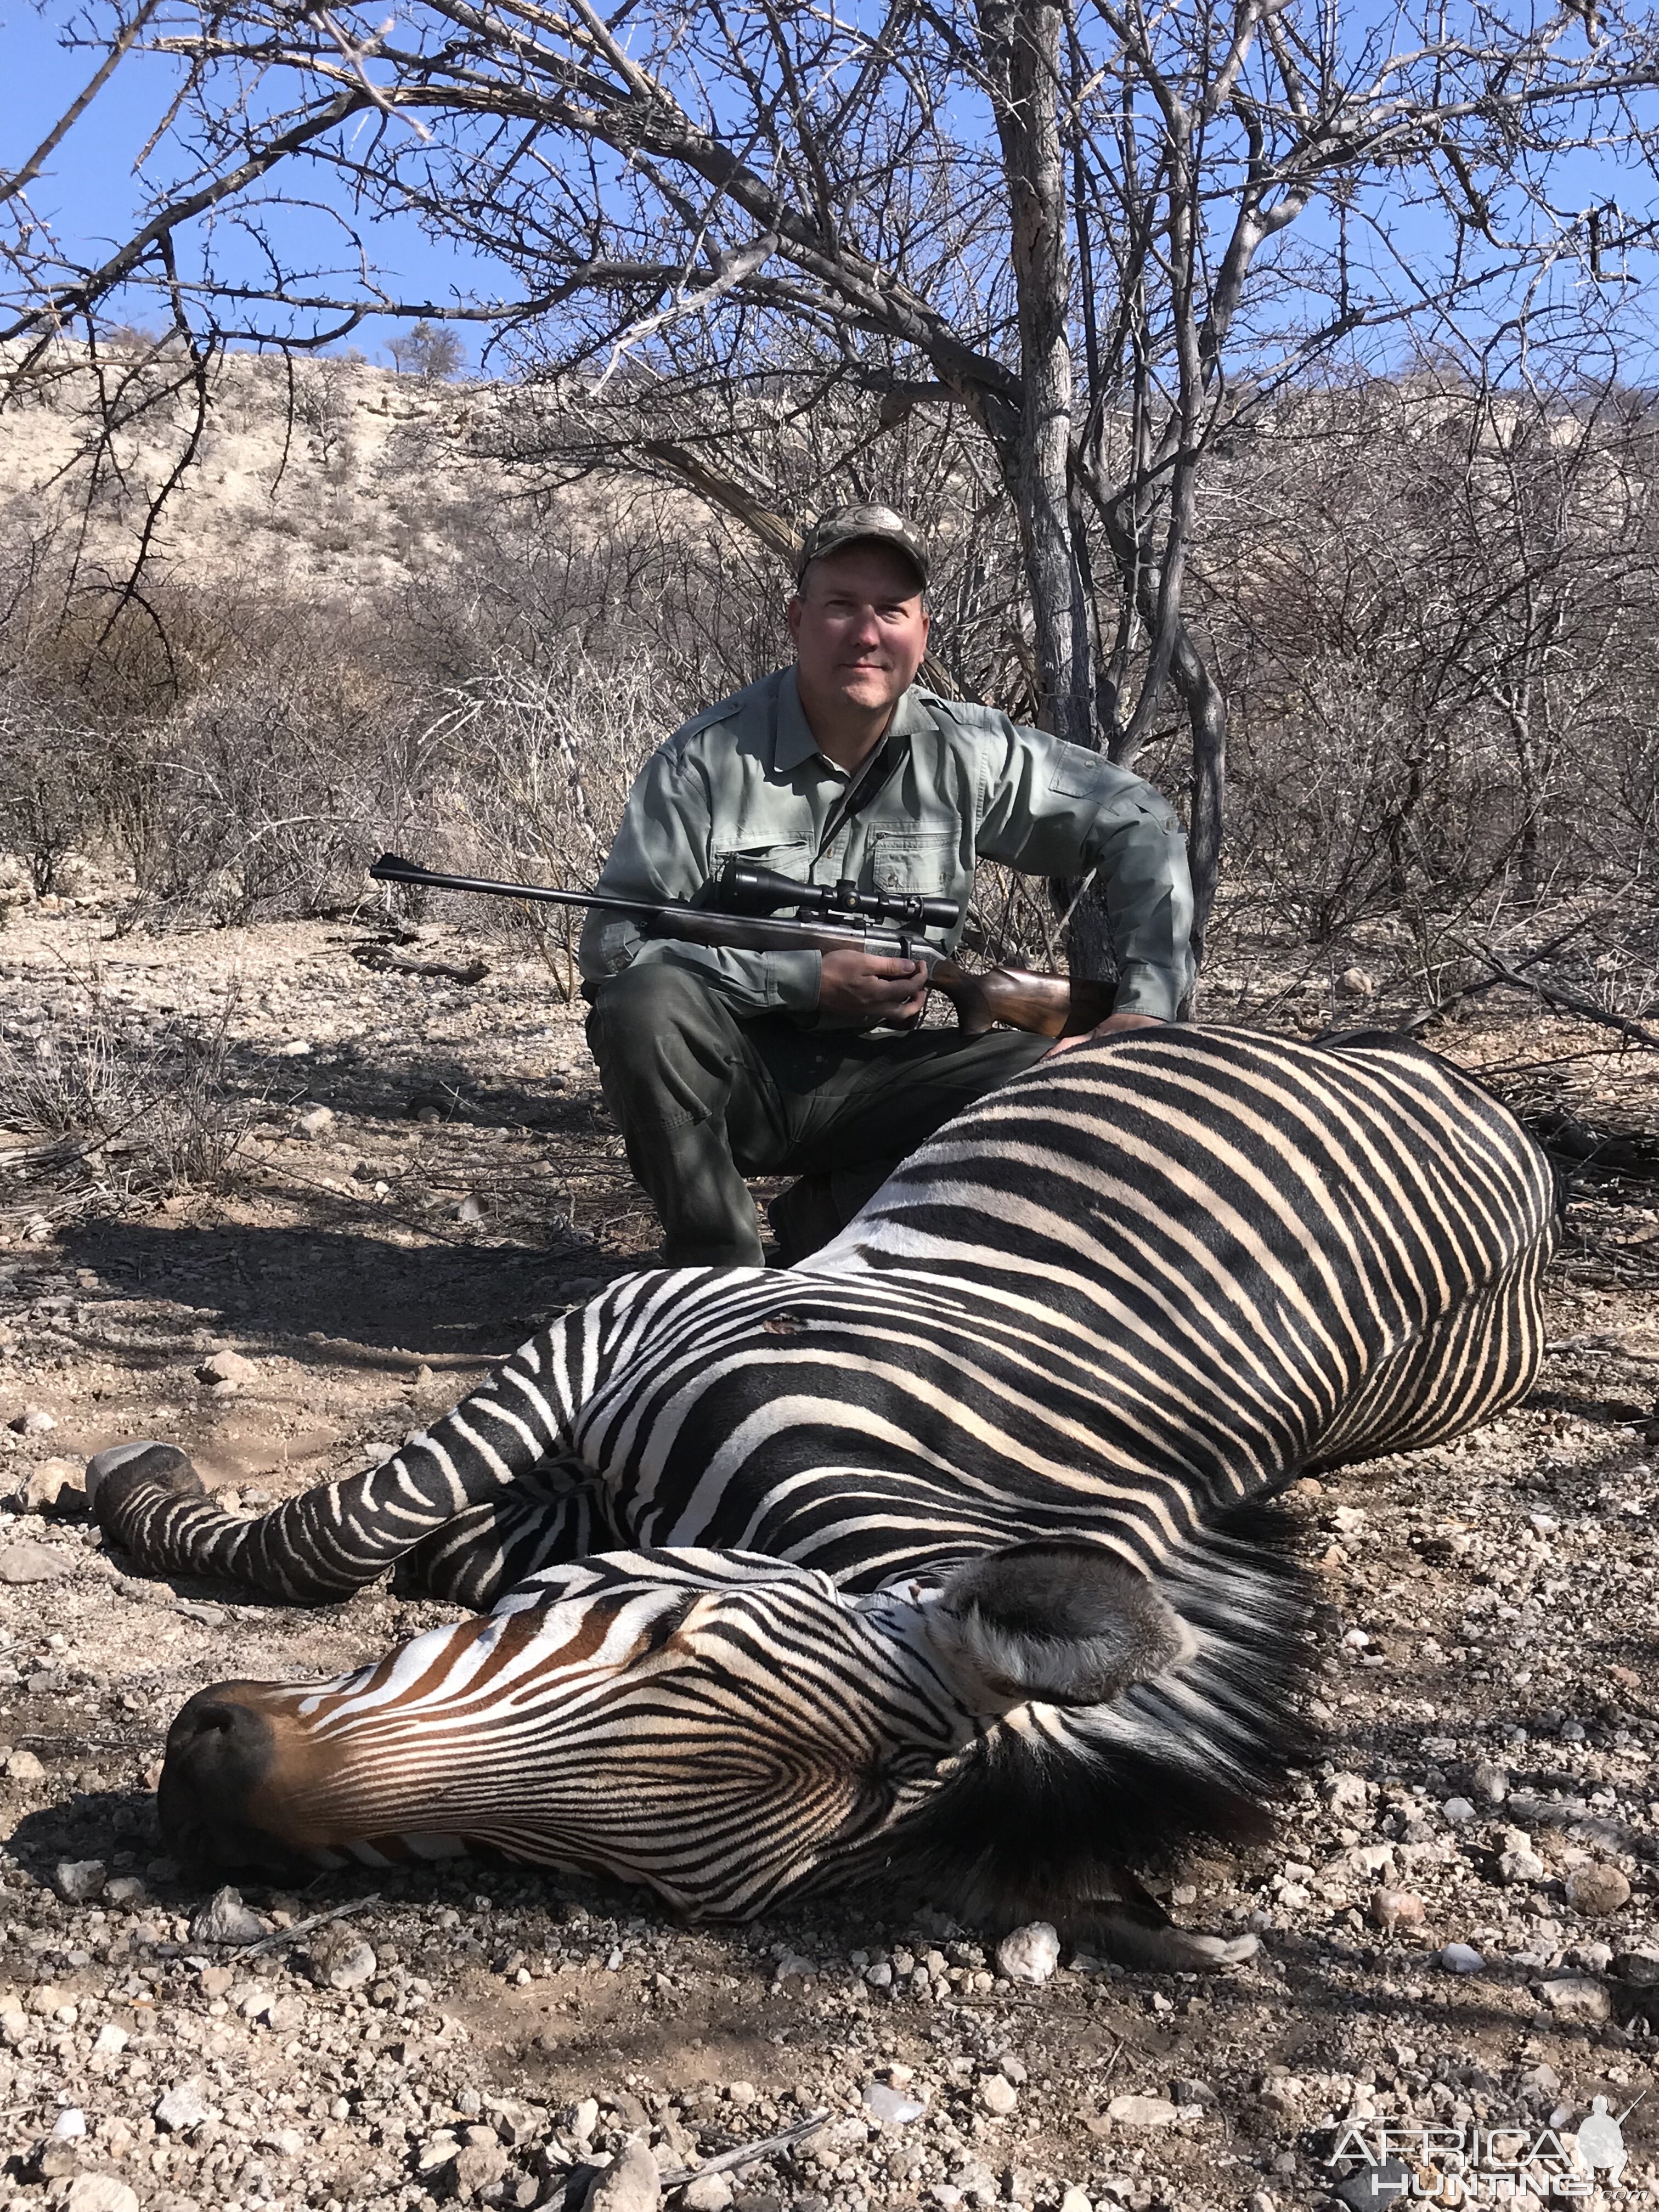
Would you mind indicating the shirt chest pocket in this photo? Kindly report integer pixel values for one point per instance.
(792, 857)
(919, 860)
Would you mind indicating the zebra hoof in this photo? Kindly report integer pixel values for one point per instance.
(1132, 1938)
(114, 1475)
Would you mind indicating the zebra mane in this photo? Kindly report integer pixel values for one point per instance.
(1047, 1812)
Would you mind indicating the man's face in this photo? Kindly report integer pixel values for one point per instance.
(860, 627)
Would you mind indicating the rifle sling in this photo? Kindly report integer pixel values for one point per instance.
(874, 778)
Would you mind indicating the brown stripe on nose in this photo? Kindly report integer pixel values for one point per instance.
(248, 1780)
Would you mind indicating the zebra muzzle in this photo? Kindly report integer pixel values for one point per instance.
(221, 1755)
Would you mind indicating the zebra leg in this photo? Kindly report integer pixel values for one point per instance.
(550, 1515)
(331, 1541)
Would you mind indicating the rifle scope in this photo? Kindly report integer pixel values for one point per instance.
(746, 888)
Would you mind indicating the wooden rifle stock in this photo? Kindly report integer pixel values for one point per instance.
(1048, 1005)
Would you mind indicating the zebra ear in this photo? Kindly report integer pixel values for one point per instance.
(1053, 1622)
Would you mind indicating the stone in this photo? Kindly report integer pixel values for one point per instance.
(353, 1966)
(1375, 2185)
(585, 2118)
(630, 2183)
(294, 1048)
(884, 2104)
(99, 2192)
(1075, 2200)
(226, 1367)
(1597, 1891)
(33, 1563)
(1393, 1909)
(709, 2192)
(225, 1919)
(998, 2095)
(70, 2125)
(1134, 2111)
(1458, 1812)
(1576, 1996)
(1461, 1959)
(216, 1981)
(33, 1421)
(77, 1881)
(315, 1121)
(24, 1767)
(1520, 1863)
(182, 2109)
(1030, 1954)
(437, 2152)
(56, 1488)
(110, 2041)
(475, 2165)
(1639, 1968)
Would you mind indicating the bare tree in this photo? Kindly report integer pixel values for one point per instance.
(1099, 236)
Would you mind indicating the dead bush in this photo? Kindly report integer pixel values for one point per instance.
(122, 1112)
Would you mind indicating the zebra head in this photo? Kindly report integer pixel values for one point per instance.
(727, 1728)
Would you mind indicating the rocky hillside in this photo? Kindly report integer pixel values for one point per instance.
(329, 473)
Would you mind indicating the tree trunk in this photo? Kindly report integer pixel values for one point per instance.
(1022, 46)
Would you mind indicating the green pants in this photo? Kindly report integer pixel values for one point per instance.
(703, 1099)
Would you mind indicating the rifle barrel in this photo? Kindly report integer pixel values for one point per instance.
(391, 868)
(670, 918)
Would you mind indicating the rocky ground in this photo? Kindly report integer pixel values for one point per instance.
(1460, 1912)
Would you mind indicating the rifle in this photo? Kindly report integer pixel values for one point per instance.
(739, 915)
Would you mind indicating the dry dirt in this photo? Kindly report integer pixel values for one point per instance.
(1488, 1689)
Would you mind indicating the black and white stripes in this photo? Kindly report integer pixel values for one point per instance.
(1077, 1337)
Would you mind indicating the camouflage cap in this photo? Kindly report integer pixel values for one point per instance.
(848, 525)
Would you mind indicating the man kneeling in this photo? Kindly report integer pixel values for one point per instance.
(718, 1065)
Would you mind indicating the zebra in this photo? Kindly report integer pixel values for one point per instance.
(947, 1556)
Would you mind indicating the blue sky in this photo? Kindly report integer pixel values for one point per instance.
(89, 192)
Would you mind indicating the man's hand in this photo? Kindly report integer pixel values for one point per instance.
(1114, 1025)
(857, 990)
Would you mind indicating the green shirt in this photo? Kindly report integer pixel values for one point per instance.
(746, 777)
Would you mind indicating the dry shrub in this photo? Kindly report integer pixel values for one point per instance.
(130, 1112)
(49, 785)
